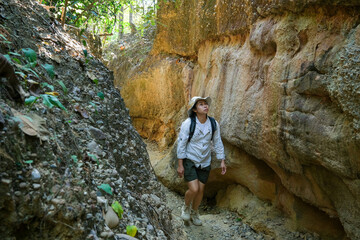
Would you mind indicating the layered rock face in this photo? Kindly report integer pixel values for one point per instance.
(284, 77)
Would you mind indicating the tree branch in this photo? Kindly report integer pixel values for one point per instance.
(63, 15)
(88, 8)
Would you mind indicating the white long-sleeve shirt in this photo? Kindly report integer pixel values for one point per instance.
(199, 148)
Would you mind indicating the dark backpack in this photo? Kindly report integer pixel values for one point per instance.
(193, 125)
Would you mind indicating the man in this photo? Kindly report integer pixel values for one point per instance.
(194, 154)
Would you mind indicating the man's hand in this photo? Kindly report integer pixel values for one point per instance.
(180, 169)
(223, 167)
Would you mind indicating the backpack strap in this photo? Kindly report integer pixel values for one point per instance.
(193, 125)
(213, 126)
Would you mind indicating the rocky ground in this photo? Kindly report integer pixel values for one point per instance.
(219, 224)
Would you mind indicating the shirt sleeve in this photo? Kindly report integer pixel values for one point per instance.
(183, 139)
(218, 144)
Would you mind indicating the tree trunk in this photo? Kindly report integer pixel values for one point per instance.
(121, 20)
(63, 15)
(131, 14)
(143, 3)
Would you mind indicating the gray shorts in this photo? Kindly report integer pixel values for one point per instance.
(191, 172)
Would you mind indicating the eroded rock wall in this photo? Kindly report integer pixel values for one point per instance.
(284, 77)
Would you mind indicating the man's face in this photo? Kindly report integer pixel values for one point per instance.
(201, 107)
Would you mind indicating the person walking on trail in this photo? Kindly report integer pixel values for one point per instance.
(194, 154)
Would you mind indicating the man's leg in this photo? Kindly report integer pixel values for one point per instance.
(189, 198)
(192, 192)
(194, 214)
(198, 197)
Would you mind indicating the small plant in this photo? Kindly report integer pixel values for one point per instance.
(93, 157)
(106, 188)
(3, 38)
(93, 104)
(30, 55)
(50, 70)
(64, 88)
(101, 95)
(48, 100)
(74, 158)
(117, 208)
(44, 84)
(131, 230)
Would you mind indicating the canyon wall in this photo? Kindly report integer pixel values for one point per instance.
(285, 81)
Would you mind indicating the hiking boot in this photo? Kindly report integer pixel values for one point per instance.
(185, 213)
(195, 218)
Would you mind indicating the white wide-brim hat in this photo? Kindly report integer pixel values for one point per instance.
(193, 102)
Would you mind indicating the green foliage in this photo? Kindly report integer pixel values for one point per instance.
(96, 81)
(74, 158)
(30, 100)
(3, 38)
(49, 69)
(106, 188)
(21, 74)
(15, 54)
(51, 87)
(28, 69)
(7, 56)
(64, 88)
(131, 230)
(94, 158)
(51, 101)
(13, 58)
(31, 65)
(106, 16)
(48, 100)
(118, 209)
(93, 104)
(30, 54)
(16, 60)
(101, 95)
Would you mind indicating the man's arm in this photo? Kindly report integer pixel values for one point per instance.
(180, 169)
(223, 167)
(181, 147)
(219, 148)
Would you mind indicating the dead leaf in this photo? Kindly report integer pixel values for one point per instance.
(81, 111)
(32, 125)
(52, 93)
(27, 125)
(5, 155)
(34, 87)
